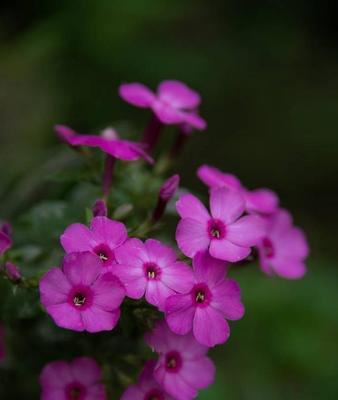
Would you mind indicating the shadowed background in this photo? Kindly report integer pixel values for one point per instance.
(268, 75)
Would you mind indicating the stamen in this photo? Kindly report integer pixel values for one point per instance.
(215, 233)
(172, 363)
(103, 257)
(79, 300)
(200, 297)
(151, 274)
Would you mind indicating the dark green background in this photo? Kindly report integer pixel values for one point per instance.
(268, 75)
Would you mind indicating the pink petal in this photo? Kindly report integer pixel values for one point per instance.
(5, 242)
(167, 114)
(56, 375)
(195, 121)
(227, 299)
(160, 253)
(227, 251)
(66, 316)
(96, 392)
(262, 200)
(199, 373)
(289, 268)
(206, 317)
(108, 292)
(136, 94)
(81, 268)
(178, 95)
(86, 370)
(105, 230)
(95, 319)
(157, 293)
(133, 393)
(214, 178)
(191, 236)
(280, 223)
(293, 243)
(53, 394)
(180, 313)
(132, 252)
(246, 231)
(189, 206)
(132, 278)
(77, 237)
(54, 287)
(178, 276)
(226, 205)
(209, 269)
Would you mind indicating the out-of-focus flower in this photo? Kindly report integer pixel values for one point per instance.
(101, 238)
(2, 344)
(121, 149)
(100, 208)
(167, 191)
(224, 233)
(79, 296)
(12, 271)
(79, 379)
(5, 237)
(212, 299)
(284, 248)
(262, 200)
(173, 103)
(151, 269)
(183, 367)
(147, 387)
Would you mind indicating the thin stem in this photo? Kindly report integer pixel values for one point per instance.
(178, 145)
(152, 133)
(107, 175)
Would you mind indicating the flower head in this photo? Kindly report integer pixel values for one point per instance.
(151, 269)
(108, 143)
(282, 251)
(101, 238)
(147, 388)
(79, 297)
(263, 200)
(173, 103)
(183, 367)
(5, 237)
(223, 231)
(79, 379)
(212, 299)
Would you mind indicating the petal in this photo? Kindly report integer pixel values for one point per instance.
(195, 120)
(225, 250)
(53, 394)
(262, 200)
(246, 231)
(86, 370)
(105, 230)
(209, 269)
(226, 297)
(5, 242)
(77, 237)
(199, 373)
(178, 94)
(191, 236)
(56, 375)
(180, 313)
(214, 178)
(289, 268)
(108, 292)
(157, 294)
(132, 252)
(226, 205)
(160, 253)
(96, 319)
(81, 268)
(178, 277)
(132, 278)
(167, 114)
(66, 316)
(133, 392)
(293, 243)
(54, 287)
(96, 392)
(189, 206)
(280, 223)
(136, 94)
(206, 317)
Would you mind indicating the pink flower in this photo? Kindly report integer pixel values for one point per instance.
(5, 238)
(151, 269)
(173, 103)
(183, 367)
(101, 238)
(79, 297)
(263, 201)
(284, 248)
(227, 236)
(79, 379)
(117, 148)
(147, 387)
(2, 344)
(212, 299)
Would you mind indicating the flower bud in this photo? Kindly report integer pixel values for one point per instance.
(166, 193)
(13, 272)
(99, 208)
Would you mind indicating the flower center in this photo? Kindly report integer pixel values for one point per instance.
(154, 394)
(268, 248)
(201, 295)
(75, 391)
(152, 271)
(173, 361)
(216, 229)
(105, 253)
(79, 299)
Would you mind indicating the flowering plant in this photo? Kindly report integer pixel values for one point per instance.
(121, 287)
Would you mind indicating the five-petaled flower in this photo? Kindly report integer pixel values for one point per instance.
(79, 379)
(284, 248)
(183, 366)
(79, 296)
(151, 269)
(223, 232)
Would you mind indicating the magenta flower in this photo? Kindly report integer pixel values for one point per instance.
(284, 248)
(227, 236)
(173, 103)
(212, 299)
(79, 379)
(101, 238)
(5, 238)
(108, 143)
(147, 387)
(183, 367)
(79, 297)
(2, 344)
(151, 269)
(263, 200)
(12, 271)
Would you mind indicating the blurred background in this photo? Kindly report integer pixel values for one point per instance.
(268, 75)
